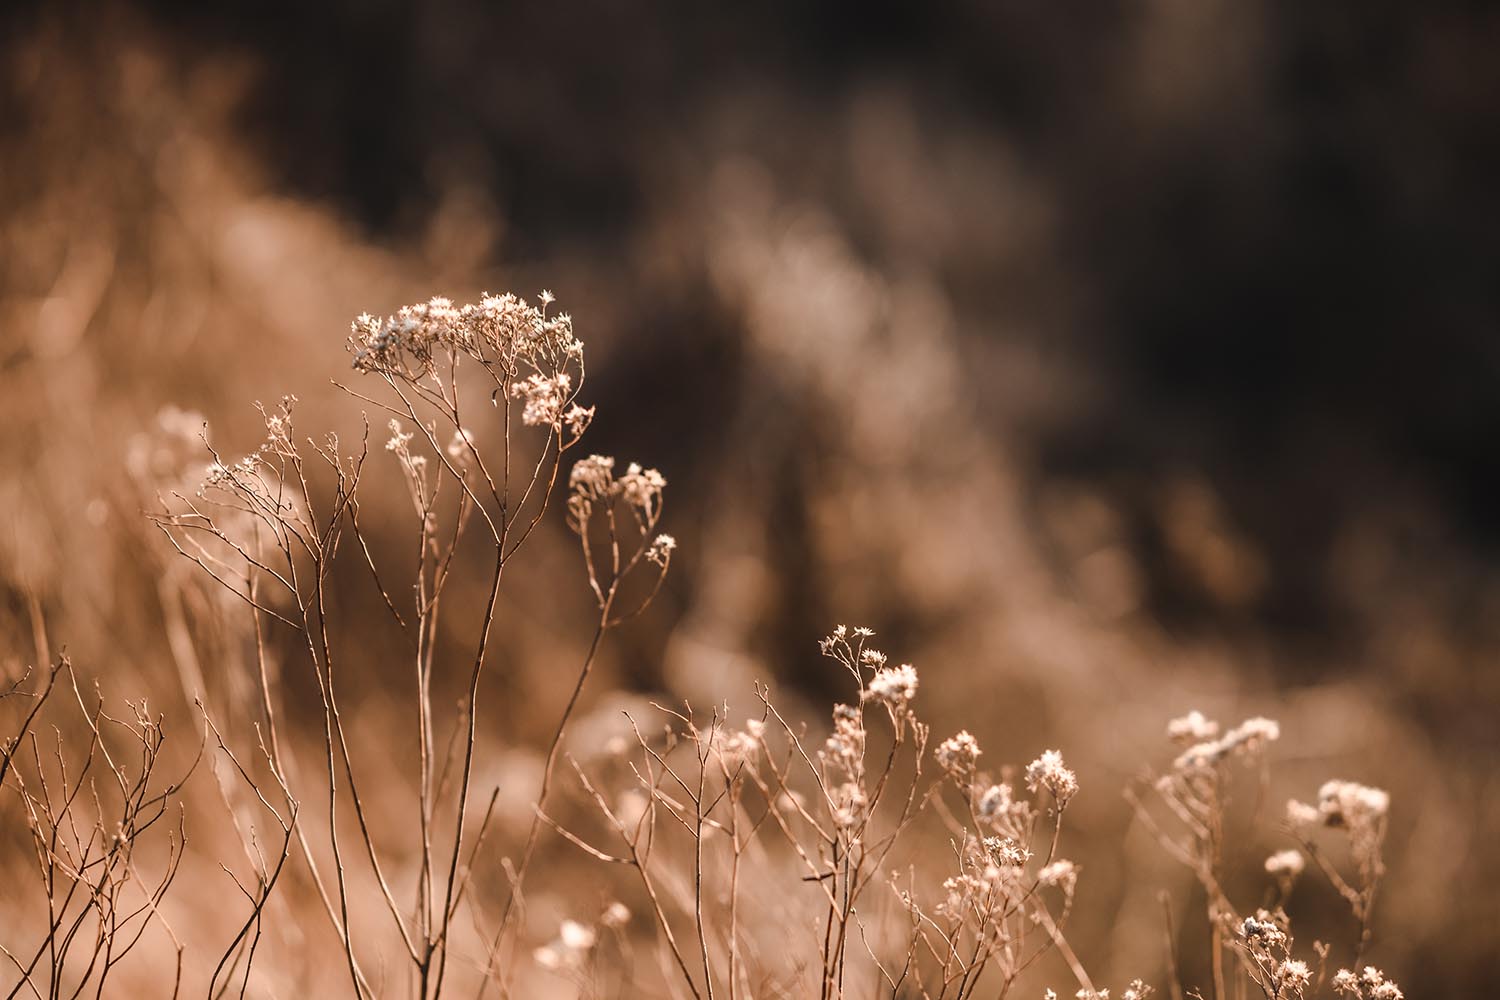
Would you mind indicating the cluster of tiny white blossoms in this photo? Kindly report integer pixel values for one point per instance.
(501, 330)
(850, 804)
(958, 754)
(1062, 874)
(252, 475)
(569, 949)
(839, 638)
(660, 550)
(1358, 810)
(1265, 929)
(1048, 771)
(990, 879)
(895, 686)
(1293, 976)
(575, 941)
(1267, 940)
(737, 748)
(244, 474)
(1192, 728)
(545, 398)
(642, 487)
(593, 480)
(1248, 738)
(996, 806)
(1137, 990)
(1370, 984)
(413, 467)
(1346, 803)
(1288, 864)
(845, 746)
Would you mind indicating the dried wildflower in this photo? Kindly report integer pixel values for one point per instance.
(1293, 974)
(872, 657)
(1049, 772)
(661, 549)
(1137, 990)
(958, 754)
(398, 440)
(578, 419)
(1370, 984)
(1345, 803)
(1005, 851)
(849, 805)
(593, 476)
(1300, 815)
(846, 746)
(1063, 874)
(413, 467)
(592, 479)
(993, 801)
(573, 943)
(642, 489)
(576, 936)
(1249, 737)
(1200, 757)
(615, 915)
(1192, 728)
(545, 397)
(1286, 864)
(1360, 811)
(895, 686)
(736, 749)
(244, 475)
(1252, 735)
(501, 330)
(1264, 930)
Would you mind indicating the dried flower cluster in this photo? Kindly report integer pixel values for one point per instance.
(837, 858)
(1194, 794)
(263, 530)
(501, 331)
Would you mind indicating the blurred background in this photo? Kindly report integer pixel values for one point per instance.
(1108, 360)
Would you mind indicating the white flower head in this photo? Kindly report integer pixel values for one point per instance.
(1346, 803)
(1286, 864)
(1192, 728)
(642, 488)
(1048, 771)
(1294, 975)
(661, 549)
(1300, 815)
(895, 686)
(958, 753)
(576, 936)
(1060, 873)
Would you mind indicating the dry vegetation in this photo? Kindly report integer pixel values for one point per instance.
(437, 708)
(763, 860)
